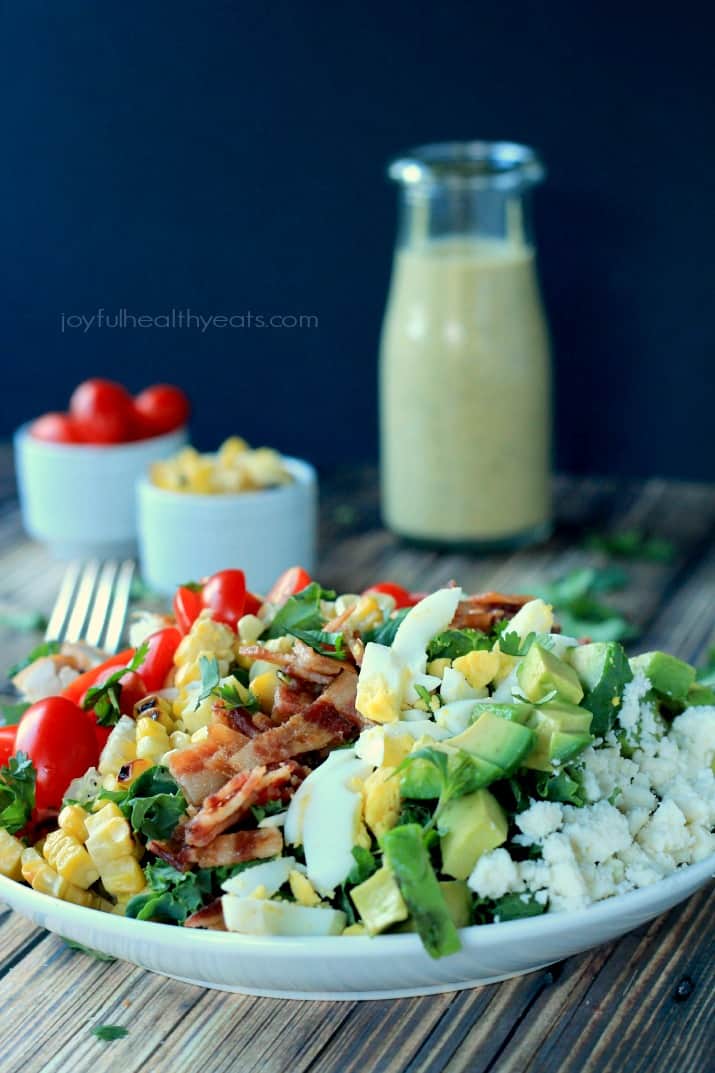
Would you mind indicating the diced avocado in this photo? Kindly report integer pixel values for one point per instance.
(669, 676)
(603, 670)
(562, 732)
(472, 825)
(699, 695)
(568, 717)
(541, 672)
(379, 902)
(496, 740)
(406, 855)
(565, 747)
(515, 713)
(420, 780)
(458, 899)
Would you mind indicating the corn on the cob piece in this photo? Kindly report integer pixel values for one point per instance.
(11, 850)
(71, 820)
(152, 740)
(41, 877)
(70, 859)
(109, 836)
(121, 747)
(123, 877)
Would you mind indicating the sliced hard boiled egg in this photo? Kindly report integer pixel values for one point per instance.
(380, 685)
(427, 618)
(534, 617)
(259, 916)
(270, 874)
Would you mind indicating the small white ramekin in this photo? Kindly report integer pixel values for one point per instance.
(184, 537)
(79, 499)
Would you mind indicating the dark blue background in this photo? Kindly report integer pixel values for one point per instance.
(230, 157)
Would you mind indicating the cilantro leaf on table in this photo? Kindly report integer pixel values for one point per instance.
(325, 644)
(578, 608)
(79, 948)
(107, 1033)
(451, 644)
(105, 698)
(17, 792)
(632, 544)
(47, 648)
(300, 612)
(153, 803)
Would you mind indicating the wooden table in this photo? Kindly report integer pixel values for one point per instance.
(642, 1003)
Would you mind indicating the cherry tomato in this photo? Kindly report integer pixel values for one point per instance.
(253, 604)
(103, 411)
(78, 686)
(56, 428)
(401, 596)
(7, 744)
(59, 739)
(161, 408)
(291, 581)
(224, 593)
(160, 658)
(187, 606)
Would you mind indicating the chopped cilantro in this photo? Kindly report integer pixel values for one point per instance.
(153, 803)
(300, 612)
(325, 644)
(105, 698)
(107, 1033)
(17, 792)
(424, 694)
(173, 895)
(271, 808)
(450, 644)
(211, 686)
(365, 865)
(385, 634)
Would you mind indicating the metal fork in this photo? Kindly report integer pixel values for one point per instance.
(92, 603)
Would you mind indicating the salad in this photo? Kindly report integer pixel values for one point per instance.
(314, 764)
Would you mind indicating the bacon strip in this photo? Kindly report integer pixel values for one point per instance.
(224, 850)
(210, 916)
(483, 610)
(201, 769)
(330, 720)
(231, 803)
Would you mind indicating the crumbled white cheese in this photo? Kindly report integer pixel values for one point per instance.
(495, 874)
(541, 819)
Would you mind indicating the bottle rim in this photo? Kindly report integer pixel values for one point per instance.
(481, 164)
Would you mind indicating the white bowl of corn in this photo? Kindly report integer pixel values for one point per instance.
(254, 509)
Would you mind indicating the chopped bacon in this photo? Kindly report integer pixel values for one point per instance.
(224, 850)
(483, 610)
(210, 916)
(204, 767)
(301, 662)
(291, 698)
(230, 804)
(330, 720)
(247, 723)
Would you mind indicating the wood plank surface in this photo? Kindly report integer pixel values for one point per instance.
(643, 1003)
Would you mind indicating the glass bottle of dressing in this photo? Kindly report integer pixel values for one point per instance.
(464, 361)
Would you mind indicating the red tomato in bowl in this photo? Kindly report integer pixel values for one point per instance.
(160, 408)
(56, 428)
(7, 744)
(187, 607)
(224, 593)
(160, 658)
(291, 581)
(60, 740)
(103, 410)
(402, 597)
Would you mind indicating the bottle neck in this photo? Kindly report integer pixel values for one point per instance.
(445, 211)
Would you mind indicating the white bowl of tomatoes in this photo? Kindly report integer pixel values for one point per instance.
(77, 471)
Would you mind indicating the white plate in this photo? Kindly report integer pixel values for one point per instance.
(342, 968)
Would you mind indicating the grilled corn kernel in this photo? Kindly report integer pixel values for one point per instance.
(70, 859)
(110, 836)
(205, 638)
(121, 747)
(41, 877)
(264, 688)
(152, 740)
(156, 708)
(11, 850)
(179, 739)
(123, 877)
(131, 771)
(71, 821)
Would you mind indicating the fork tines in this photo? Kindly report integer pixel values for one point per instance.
(92, 603)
